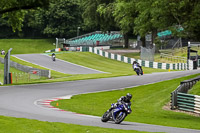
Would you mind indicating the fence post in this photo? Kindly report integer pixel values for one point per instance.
(172, 101)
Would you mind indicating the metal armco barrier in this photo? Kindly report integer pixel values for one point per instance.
(183, 101)
(188, 102)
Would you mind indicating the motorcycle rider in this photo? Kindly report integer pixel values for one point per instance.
(136, 65)
(53, 54)
(122, 100)
(2, 52)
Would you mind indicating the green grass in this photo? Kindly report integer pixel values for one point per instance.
(112, 67)
(195, 89)
(103, 64)
(27, 46)
(147, 106)
(21, 125)
(132, 55)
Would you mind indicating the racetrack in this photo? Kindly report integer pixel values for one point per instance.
(58, 65)
(21, 101)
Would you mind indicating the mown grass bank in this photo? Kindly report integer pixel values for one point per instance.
(195, 89)
(147, 106)
(27, 46)
(21, 125)
(112, 68)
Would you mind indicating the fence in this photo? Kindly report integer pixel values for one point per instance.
(183, 101)
(188, 102)
(173, 58)
(27, 69)
(150, 64)
(147, 53)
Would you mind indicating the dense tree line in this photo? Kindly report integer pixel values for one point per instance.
(60, 18)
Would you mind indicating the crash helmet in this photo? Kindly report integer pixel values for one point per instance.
(128, 96)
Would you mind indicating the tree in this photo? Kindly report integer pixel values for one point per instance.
(168, 14)
(14, 10)
(97, 14)
(61, 19)
(106, 16)
(125, 14)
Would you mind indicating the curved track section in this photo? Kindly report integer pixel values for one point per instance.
(21, 101)
(58, 65)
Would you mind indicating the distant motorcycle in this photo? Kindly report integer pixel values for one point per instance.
(138, 71)
(117, 114)
(53, 57)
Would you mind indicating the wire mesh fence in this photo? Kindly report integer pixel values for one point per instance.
(22, 77)
(147, 53)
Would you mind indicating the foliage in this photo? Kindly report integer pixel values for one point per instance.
(60, 20)
(13, 10)
(98, 14)
(145, 17)
(136, 16)
(125, 13)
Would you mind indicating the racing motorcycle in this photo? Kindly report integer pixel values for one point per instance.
(117, 114)
(138, 71)
(53, 57)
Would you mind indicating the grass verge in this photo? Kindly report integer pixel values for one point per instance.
(195, 89)
(147, 106)
(21, 125)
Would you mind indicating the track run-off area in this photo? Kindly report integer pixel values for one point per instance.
(22, 101)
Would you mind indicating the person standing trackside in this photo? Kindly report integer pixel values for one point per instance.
(2, 52)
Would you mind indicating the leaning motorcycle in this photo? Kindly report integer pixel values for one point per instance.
(138, 71)
(54, 58)
(117, 114)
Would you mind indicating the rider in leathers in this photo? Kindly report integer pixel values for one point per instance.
(123, 99)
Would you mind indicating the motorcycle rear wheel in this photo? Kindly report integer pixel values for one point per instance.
(105, 117)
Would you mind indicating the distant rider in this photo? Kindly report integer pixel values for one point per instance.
(53, 54)
(2, 52)
(136, 65)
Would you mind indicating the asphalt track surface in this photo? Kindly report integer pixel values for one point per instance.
(22, 101)
(58, 65)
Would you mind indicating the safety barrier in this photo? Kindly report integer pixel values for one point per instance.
(27, 69)
(150, 64)
(188, 102)
(183, 101)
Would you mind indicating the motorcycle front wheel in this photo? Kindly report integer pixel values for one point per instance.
(105, 117)
(120, 117)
